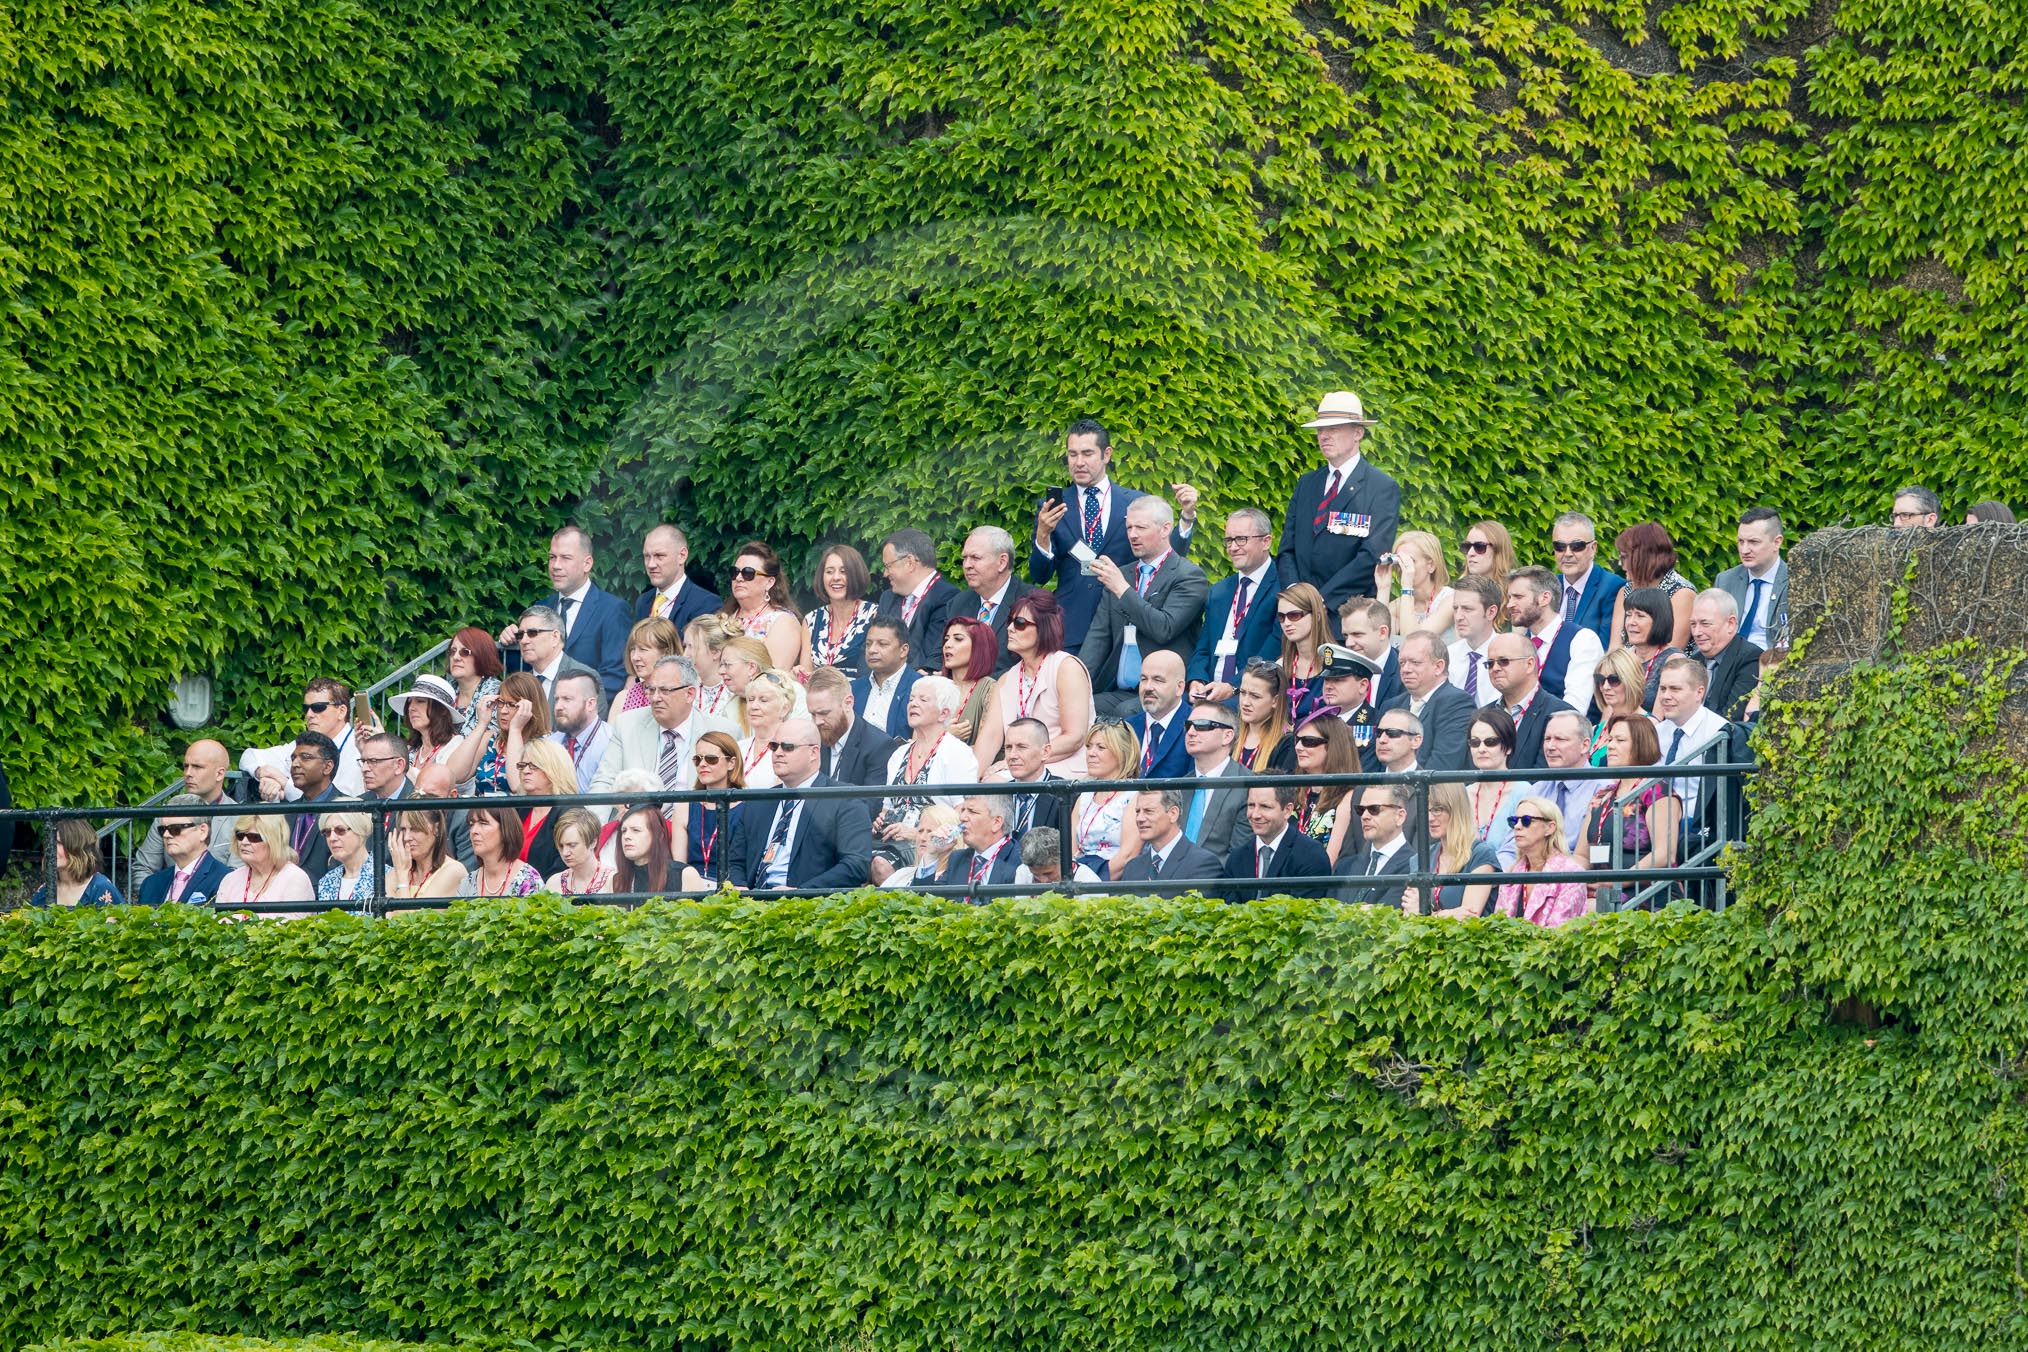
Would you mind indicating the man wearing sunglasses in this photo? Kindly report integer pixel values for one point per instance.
(1211, 814)
(327, 711)
(817, 843)
(1588, 589)
(541, 633)
(192, 873)
(1342, 515)
(1377, 871)
(1515, 672)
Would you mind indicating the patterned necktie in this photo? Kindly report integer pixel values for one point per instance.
(1472, 675)
(1324, 504)
(672, 759)
(1024, 812)
(1228, 671)
(1092, 533)
(1148, 751)
(986, 609)
(1569, 602)
(978, 868)
(778, 841)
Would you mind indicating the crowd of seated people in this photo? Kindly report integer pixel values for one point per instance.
(1089, 645)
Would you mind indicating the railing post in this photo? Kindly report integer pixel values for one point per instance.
(722, 809)
(377, 858)
(1066, 861)
(49, 857)
(1425, 870)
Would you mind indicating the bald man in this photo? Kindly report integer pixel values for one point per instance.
(1516, 673)
(1159, 724)
(816, 843)
(671, 595)
(205, 764)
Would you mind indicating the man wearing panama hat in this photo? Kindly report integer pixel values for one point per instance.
(1342, 516)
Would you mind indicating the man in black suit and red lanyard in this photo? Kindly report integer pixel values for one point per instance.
(1342, 517)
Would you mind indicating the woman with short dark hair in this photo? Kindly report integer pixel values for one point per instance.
(496, 837)
(836, 630)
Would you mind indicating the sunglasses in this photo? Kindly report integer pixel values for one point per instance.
(1393, 732)
(1287, 615)
(248, 837)
(460, 650)
(1478, 546)
(1483, 741)
(318, 706)
(749, 574)
(701, 759)
(1311, 740)
(1607, 678)
(1525, 819)
(1504, 661)
(176, 828)
(1206, 725)
(787, 746)
(1370, 809)
(337, 830)
(531, 633)
(1571, 546)
(1020, 622)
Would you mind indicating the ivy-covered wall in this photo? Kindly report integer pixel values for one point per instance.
(320, 317)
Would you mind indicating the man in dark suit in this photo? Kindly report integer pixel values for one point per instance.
(1514, 670)
(1760, 584)
(1342, 517)
(917, 595)
(1588, 590)
(880, 698)
(989, 854)
(1378, 872)
(1159, 724)
(991, 589)
(1240, 616)
(1369, 628)
(1027, 748)
(312, 765)
(671, 595)
(1167, 855)
(1445, 712)
(1733, 662)
(1085, 521)
(595, 622)
(810, 843)
(192, 873)
(1273, 849)
(855, 752)
(1157, 604)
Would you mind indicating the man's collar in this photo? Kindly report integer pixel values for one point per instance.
(1388, 850)
(1768, 576)
(549, 671)
(804, 782)
(1276, 843)
(1224, 764)
(1162, 851)
(875, 678)
(994, 599)
(1258, 573)
(1548, 633)
(582, 591)
(919, 588)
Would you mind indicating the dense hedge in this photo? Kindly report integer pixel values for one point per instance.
(321, 315)
(1091, 1124)
(198, 1342)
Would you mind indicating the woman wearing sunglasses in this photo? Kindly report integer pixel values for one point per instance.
(758, 598)
(1489, 553)
(475, 670)
(1490, 742)
(349, 838)
(267, 866)
(1538, 839)
(1046, 684)
(718, 763)
(1616, 690)
(1646, 828)
(1324, 746)
(1305, 624)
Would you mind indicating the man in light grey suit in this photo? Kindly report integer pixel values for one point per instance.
(1166, 853)
(1156, 603)
(660, 738)
(1210, 815)
(1760, 584)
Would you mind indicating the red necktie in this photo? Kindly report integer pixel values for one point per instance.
(1324, 504)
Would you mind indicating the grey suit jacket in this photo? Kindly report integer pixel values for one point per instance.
(1185, 861)
(572, 667)
(1735, 583)
(1221, 816)
(1169, 616)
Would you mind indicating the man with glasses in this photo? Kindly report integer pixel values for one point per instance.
(1240, 614)
(1915, 506)
(327, 711)
(205, 765)
(917, 595)
(1210, 814)
(991, 589)
(1396, 741)
(1512, 666)
(1588, 589)
(541, 633)
(1377, 872)
(594, 622)
(192, 872)
(814, 843)
(660, 738)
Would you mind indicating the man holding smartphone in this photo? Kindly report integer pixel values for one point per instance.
(1068, 543)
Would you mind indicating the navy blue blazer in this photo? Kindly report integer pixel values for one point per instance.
(1172, 758)
(833, 847)
(1259, 634)
(926, 630)
(897, 712)
(691, 602)
(1077, 594)
(1298, 856)
(203, 885)
(958, 869)
(598, 638)
(1595, 607)
(1339, 561)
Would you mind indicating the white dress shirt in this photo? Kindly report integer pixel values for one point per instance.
(776, 872)
(664, 604)
(880, 699)
(1755, 626)
(1699, 728)
(571, 611)
(1460, 671)
(1585, 653)
(1253, 598)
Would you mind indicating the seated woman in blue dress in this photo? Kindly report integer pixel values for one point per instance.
(717, 762)
(78, 880)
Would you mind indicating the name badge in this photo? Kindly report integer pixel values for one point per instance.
(1127, 637)
(1227, 647)
(1601, 854)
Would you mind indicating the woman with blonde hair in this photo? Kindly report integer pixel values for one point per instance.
(1305, 625)
(1455, 847)
(770, 701)
(348, 836)
(739, 662)
(1104, 835)
(1538, 848)
(1425, 600)
(936, 837)
(1616, 690)
(577, 844)
(268, 869)
(648, 642)
(704, 640)
(544, 768)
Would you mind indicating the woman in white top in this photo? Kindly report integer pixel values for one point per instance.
(759, 601)
(428, 711)
(1047, 684)
(930, 756)
(704, 640)
(1104, 836)
(1425, 602)
(267, 869)
(770, 701)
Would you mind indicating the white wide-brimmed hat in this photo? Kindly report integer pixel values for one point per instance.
(1340, 408)
(433, 688)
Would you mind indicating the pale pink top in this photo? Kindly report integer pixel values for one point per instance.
(1546, 904)
(1022, 698)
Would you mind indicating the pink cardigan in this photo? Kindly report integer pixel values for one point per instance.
(1545, 904)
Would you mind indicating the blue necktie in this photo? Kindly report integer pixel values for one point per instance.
(1753, 594)
(1199, 800)
(1092, 533)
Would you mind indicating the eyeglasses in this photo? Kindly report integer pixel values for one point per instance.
(749, 574)
(701, 759)
(175, 828)
(1571, 546)
(531, 633)
(1482, 741)
(248, 837)
(1287, 615)
(526, 765)
(1232, 540)
(665, 689)
(787, 746)
(460, 650)
(1900, 517)
(382, 760)
(1504, 661)
(1369, 809)
(1020, 622)
(1311, 740)
(317, 706)
(1478, 546)
(1394, 732)
(1525, 819)
(1206, 725)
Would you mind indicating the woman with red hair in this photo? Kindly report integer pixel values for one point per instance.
(971, 650)
(1648, 558)
(475, 670)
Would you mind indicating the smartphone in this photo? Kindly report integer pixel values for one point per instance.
(1054, 498)
(362, 710)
